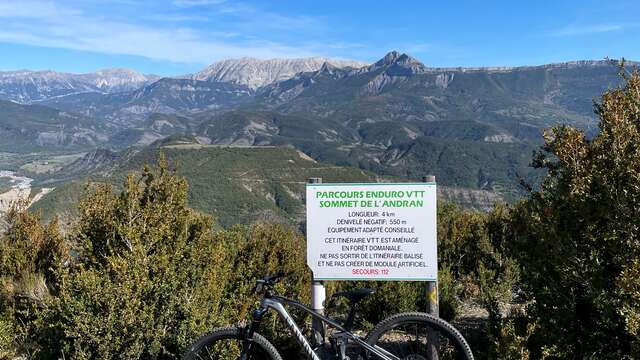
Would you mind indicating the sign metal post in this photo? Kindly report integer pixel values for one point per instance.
(432, 297)
(318, 295)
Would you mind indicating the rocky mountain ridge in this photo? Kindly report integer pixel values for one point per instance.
(27, 86)
(256, 73)
(560, 65)
(165, 96)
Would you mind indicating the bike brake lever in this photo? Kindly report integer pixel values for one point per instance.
(259, 286)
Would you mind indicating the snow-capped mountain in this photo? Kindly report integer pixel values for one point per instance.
(26, 86)
(255, 73)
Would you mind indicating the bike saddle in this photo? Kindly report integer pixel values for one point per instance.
(355, 295)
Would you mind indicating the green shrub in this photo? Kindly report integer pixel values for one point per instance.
(148, 278)
(149, 275)
(254, 252)
(577, 238)
(31, 260)
(629, 292)
(7, 336)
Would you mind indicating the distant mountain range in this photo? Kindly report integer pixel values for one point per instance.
(25, 86)
(255, 73)
(165, 96)
(475, 128)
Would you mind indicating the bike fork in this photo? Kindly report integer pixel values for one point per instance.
(248, 332)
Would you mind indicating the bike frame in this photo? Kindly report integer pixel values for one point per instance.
(277, 303)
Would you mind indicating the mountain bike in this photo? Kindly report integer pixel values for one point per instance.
(406, 336)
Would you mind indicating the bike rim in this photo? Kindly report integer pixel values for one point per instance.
(418, 341)
(228, 349)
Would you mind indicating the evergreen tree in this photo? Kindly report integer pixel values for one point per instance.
(149, 274)
(32, 257)
(578, 237)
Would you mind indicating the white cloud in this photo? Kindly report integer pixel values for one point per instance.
(575, 30)
(34, 10)
(192, 3)
(49, 24)
(176, 18)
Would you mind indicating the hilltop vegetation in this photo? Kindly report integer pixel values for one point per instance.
(252, 184)
(236, 184)
(578, 237)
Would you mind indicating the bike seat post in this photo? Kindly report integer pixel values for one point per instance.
(348, 324)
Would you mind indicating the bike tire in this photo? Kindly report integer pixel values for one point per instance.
(443, 328)
(263, 349)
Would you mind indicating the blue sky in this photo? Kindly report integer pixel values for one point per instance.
(181, 36)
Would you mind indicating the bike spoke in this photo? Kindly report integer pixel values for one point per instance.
(229, 349)
(412, 341)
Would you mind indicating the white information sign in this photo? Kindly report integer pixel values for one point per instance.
(378, 231)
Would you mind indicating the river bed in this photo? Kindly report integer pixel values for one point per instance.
(20, 190)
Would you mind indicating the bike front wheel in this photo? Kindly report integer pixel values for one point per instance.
(419, 336)
(227, 344)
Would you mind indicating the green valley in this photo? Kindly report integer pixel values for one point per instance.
(474, 128)
(238, 184)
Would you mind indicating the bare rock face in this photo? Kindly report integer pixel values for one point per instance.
(378, 83)
(443, 80)
(117, 80)
(500, 138)
(396, 64)
(256, 73)
(97, 161)
(396, 67)
(481, 200)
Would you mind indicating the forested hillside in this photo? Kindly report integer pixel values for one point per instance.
(236, 184)
(27, 128)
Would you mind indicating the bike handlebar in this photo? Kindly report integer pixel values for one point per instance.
(269, 281)
(272, 279)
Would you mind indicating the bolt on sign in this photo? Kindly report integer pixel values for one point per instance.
(378, 231)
